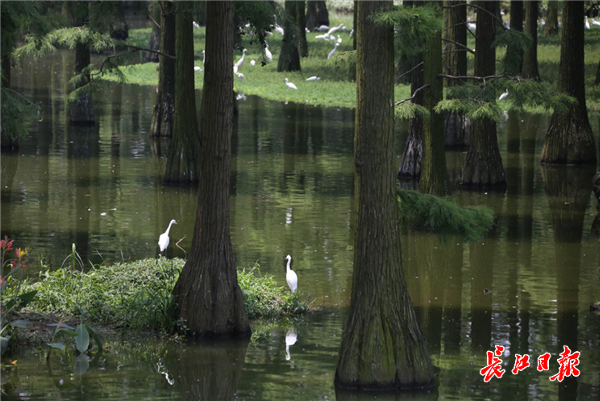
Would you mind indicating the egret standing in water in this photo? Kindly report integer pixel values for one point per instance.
(291, 277)
(163, 240)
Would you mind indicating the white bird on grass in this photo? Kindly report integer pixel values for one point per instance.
(322, 28)
(163, 240)
(235, 69)
(339, 40)
(203, 57)
(279, 29)
(292, 86)
(334, 29)
(331, 53)
(324, 36)
(252, 62)
(315, 78)
(594, 22)
(587, 23)
(240, 75)
(291, 277)
(241, 61)
(197, 69)
(504, 95)
(268, 54)
(331, 37)
(195, 24)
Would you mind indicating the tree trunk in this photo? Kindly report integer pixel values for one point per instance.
(182, 160)
(597, 82)
(530, 63)
(382, 345)
(516, 24)
(311, 15)
(551, 27)
(301, 20)
(352, 68)
(483, 165)
(120, 29)
(322, 13)
(289, 58)
(569, 139)
(154, 41)
(434, 175)
(410, 166)
(455, 62)
(6, 71)
(164, 109)
(207, 292)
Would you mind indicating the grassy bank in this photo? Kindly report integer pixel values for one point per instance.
(137, 295)
(333, 89)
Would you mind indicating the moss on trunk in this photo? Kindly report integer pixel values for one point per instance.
(183, 157)
(569, 139)
(207, 291)
(382, 345)
(530, 63)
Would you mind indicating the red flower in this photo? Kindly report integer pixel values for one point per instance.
(9, 246)
(14, 263)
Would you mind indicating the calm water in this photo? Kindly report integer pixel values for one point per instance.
(292, 176)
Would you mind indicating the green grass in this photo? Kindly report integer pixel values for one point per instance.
(138, 294)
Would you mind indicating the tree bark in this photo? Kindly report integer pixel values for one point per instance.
(551, 27)
(289, 58)
(120, 28)
(530, 64)
(434, 175)
(455, 63)
(322, 13)
(154, 41)
(301, 20)
(164, 109)
(207, 292)
(182, 160)
(483, 165)
(569, 139)
(516, 24)
(311, 15)
(352, 69)
(382, 345)
(597, 82)
(410, 166)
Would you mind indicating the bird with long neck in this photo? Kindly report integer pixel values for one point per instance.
(291, 277)
(163, 240)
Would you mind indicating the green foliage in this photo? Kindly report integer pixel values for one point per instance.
(413, 27)
(17, 114)
(405, 111)
(518, 41)
(265, 299)
(443, 215)
(138, 294)
(81, 335)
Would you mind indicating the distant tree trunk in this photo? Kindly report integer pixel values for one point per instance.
(516, 24)
(569, 139)
(483, 165)
(301, 20)
(352, 69)
(289, 58)
(322, 13)
(208, 295)
(530, 63)
(6, 71)
(311, 15)
(434, 175)
(120, 29)
(382, 345)
(201, 12)
(455, 62)
(597, 82)
(154, 41)
(164, 109)
(182, 160)
(551, 27)
(410, 165)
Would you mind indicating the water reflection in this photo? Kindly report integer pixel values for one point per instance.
(290, 339)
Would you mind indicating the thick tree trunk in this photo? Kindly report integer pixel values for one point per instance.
(455, 63)
(120, 29)
(382, 345)
(207, 292)
(551, 27)
(154, 41)
(322, 13)
(81, 111)
(352, 69)
(182, 160)
(311, 15)
(6, 71)
(569, 139)
(164, 109)
(483, 165)
(530, 63)
(434, 175)
(516, 24)
(289, 58)
(597, 82)
(301, 20)
(410, 166)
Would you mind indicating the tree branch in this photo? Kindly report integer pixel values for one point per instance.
(412, 97)
(459, 44)
(409, 71)
(474, 77)
(155, 23)
(480, 8)
(148, 50)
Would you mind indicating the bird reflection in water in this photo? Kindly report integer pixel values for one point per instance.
(290, 339)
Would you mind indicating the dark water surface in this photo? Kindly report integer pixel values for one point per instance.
(292, 181)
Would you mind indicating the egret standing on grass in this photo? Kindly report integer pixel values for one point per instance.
(334, 29)
(268, 54)
(241, 61)
(292, 86)
(291, 277)
(504, 95)
(163, 240)
(331, 53)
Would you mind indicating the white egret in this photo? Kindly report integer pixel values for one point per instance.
(240, 75)
(203, 57)
(291, 277)
(306, 30)
(195, 24)
(324, 36)
(252, 62)
(331, 53)
(163, 240)
(197, 69)
(292, 86)
(334, 29)
(315, 78)
(472, 26)
(235, 69)
(331, 37)
(504, 95)
(290, 339)
(594, 22)
(322, 28)
(268, 54)
(339, 39)
(352, 32)
(241, 61)
(279, 29)
(587, 23)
